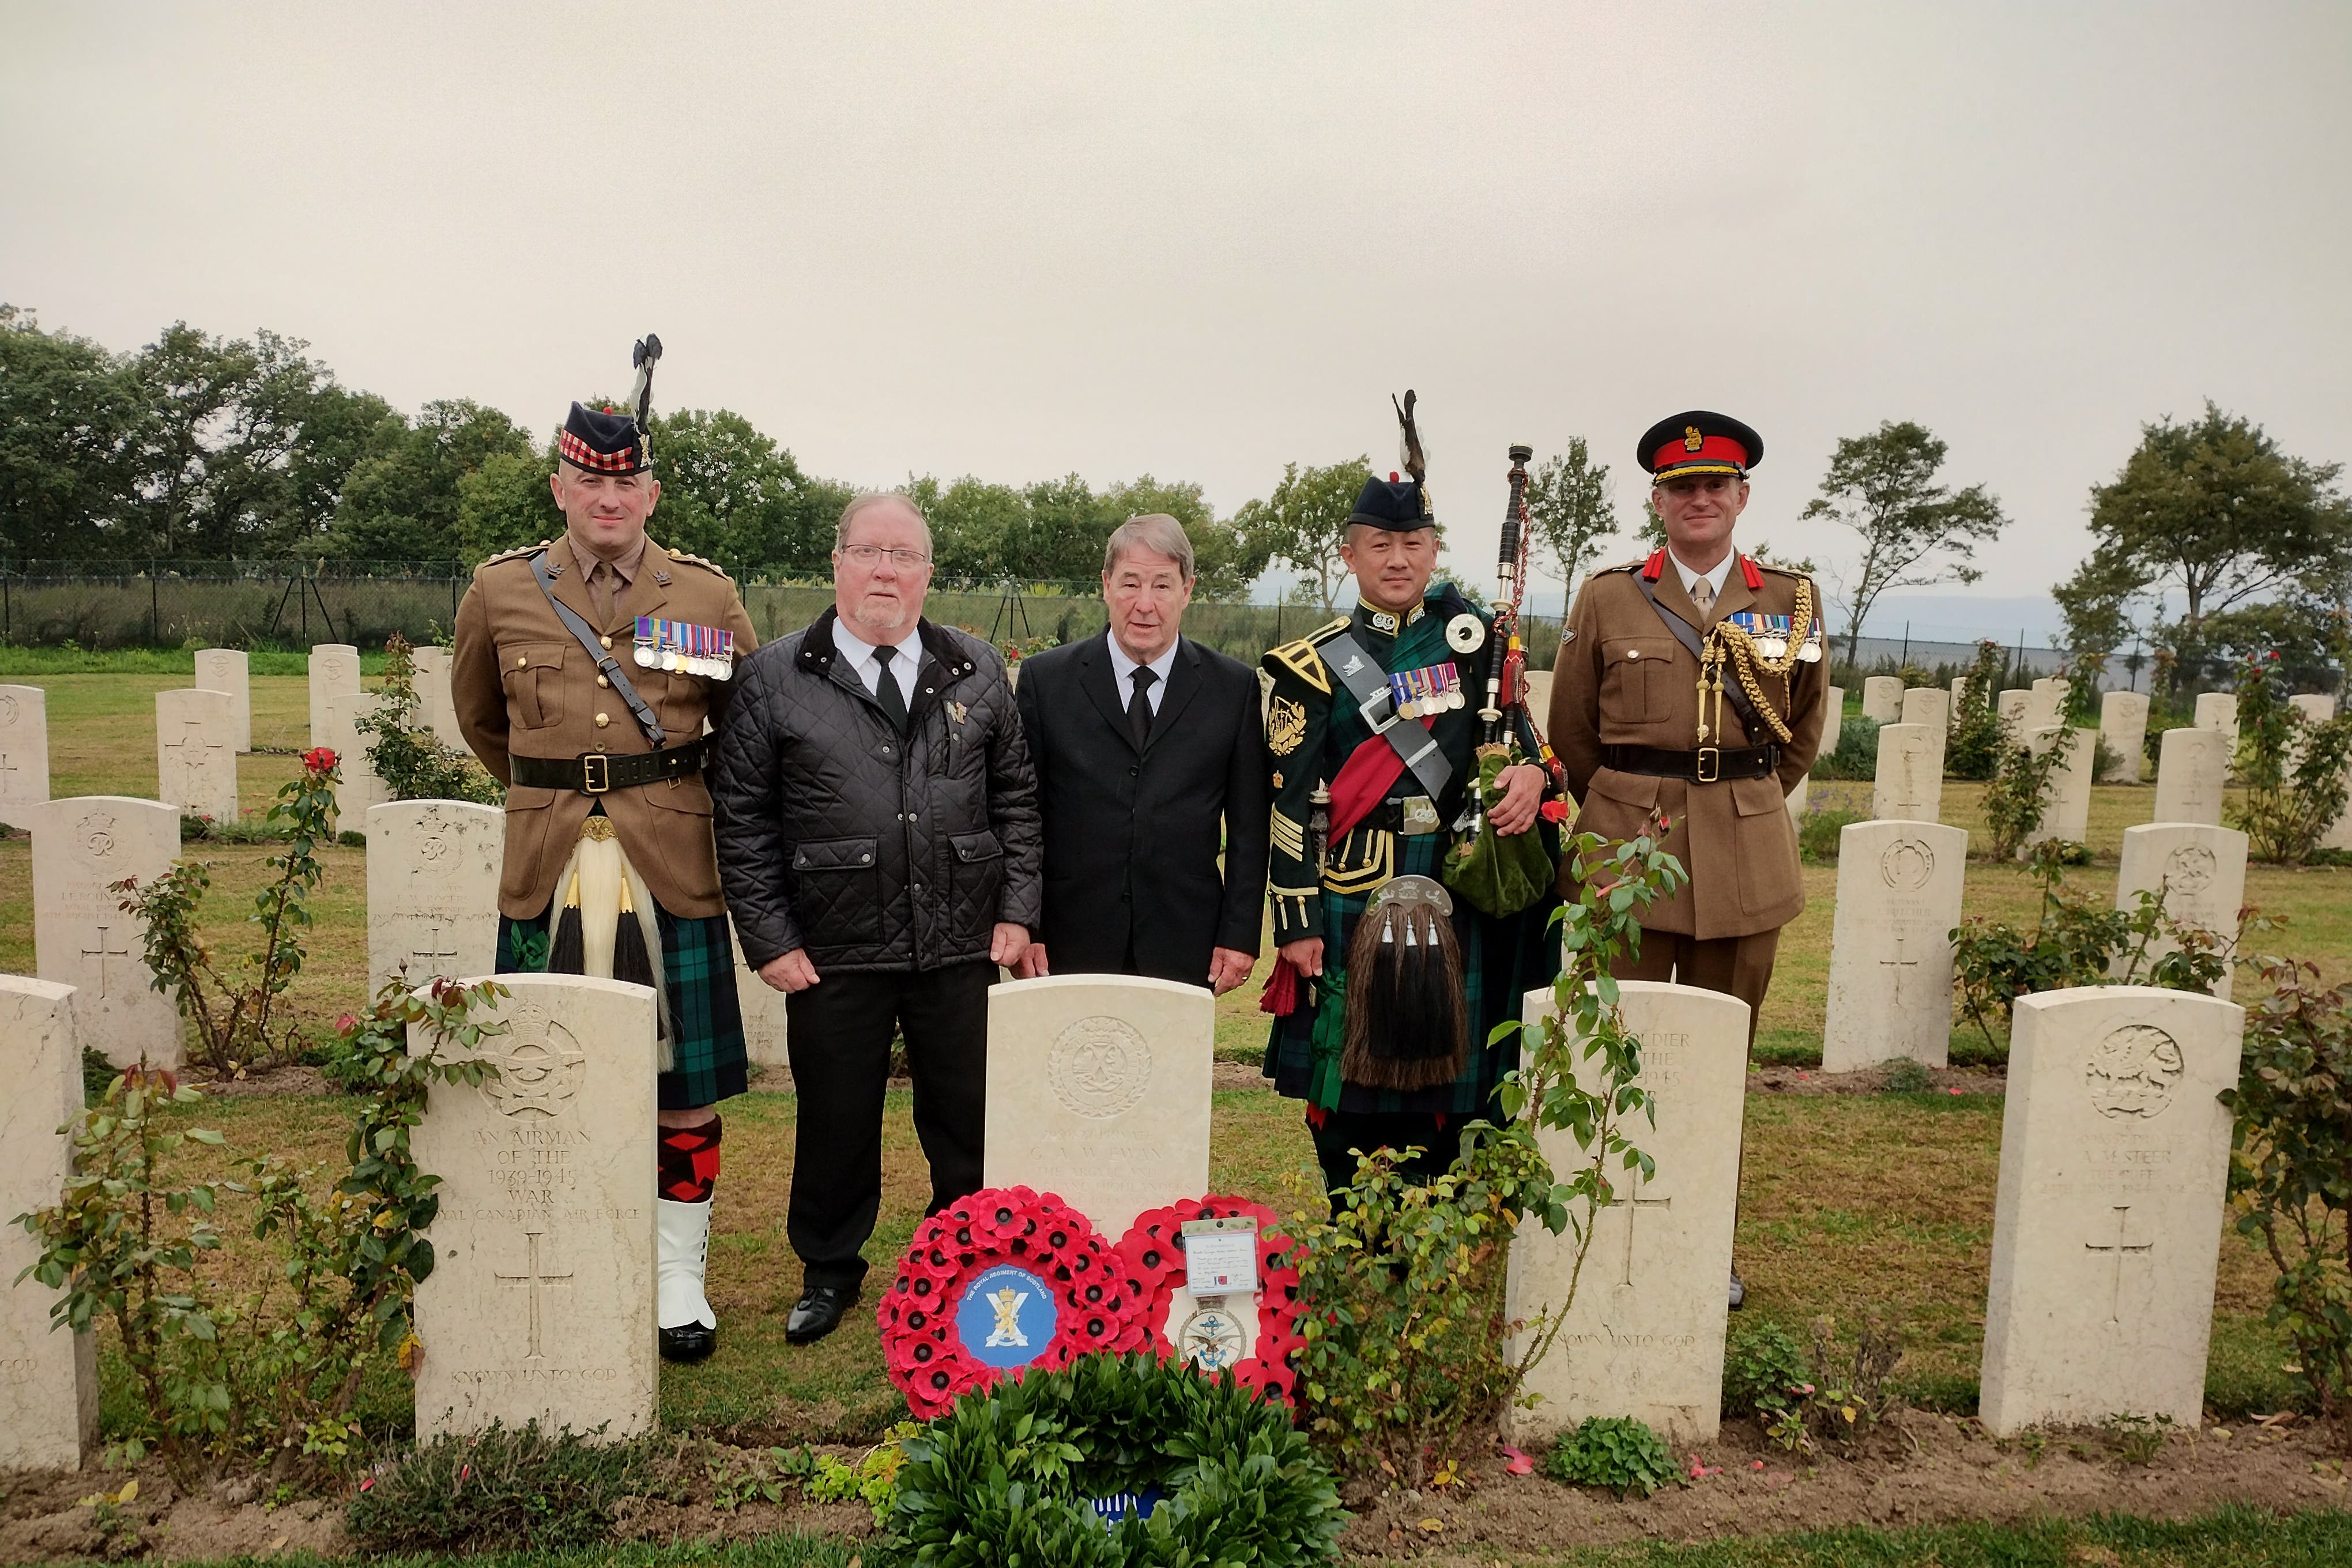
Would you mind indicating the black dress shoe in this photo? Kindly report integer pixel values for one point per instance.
(818, 1313)
(691, 1343)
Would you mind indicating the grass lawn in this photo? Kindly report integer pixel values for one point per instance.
(1848, 1201)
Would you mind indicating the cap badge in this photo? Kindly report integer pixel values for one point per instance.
(1692, 439)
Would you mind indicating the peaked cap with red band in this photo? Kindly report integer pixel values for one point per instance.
(602, 442)
(1698, 442)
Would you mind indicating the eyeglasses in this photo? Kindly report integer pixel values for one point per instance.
(870, 555)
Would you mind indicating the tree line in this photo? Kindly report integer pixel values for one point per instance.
(201, 447)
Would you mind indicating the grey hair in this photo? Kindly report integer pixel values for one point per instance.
(867, 499)
(1154, 530)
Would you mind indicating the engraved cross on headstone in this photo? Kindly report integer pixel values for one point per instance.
(188, 751)
(1907, 769)
(1896, 965)
(1633, 1207)
(535, 1279)
(6, 767)
(103, 953)
(2119, 1248)
(435, 948)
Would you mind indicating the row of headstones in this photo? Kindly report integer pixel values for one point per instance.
(1898, 901)
(2106, 1230)
(540, 1306)
(431, 905)
(2106, 1220)
(200, 731)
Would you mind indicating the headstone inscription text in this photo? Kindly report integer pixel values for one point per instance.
(82, 846)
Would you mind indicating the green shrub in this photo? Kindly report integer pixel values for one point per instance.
(1008, 1476)
(2294, 767)
(1972, 746)
(1762, 1361)
(1906, 1076)
(2291, 1171)
(1818, 834)
(416, 763)
(1619, 1452)
(2020, 792)
(498, 1490)
(1856, 756)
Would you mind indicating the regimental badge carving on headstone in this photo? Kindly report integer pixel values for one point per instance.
(96, 832)
(7, 711)
(1100, 1065)
(2134, 1072)
(539, 1070)
(1907, 865)
(2191, 869)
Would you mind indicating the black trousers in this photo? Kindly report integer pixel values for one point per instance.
(838, 1032)
(1344, 1132)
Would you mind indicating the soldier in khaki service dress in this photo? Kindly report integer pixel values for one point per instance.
(591, 714)
(1627, 715)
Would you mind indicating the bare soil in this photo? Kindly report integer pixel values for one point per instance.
(1872, 1080)
(1917, 1469)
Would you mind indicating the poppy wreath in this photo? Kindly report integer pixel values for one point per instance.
(1001, 1281)
(1153, 1251)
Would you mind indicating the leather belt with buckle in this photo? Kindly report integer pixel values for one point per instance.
(594, 772)
(1412, 817)
(1709, 765)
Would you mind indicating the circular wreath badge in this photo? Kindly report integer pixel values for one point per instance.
(1003, 1280)
(1153, 1250)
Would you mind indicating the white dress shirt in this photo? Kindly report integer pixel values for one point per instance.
(907, 653)
(1714, 579)
(1123, 670)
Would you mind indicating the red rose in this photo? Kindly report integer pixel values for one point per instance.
(1555, 811)
(319, 760)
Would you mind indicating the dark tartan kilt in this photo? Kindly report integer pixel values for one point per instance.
(1504, 959)
(707, 1059)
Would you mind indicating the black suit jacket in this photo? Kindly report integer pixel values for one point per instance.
(1132, 883)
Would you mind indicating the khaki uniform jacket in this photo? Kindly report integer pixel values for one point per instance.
(523, 686)
(1624, 679)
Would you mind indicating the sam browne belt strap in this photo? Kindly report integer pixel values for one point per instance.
(596, 774)
(1705, 766)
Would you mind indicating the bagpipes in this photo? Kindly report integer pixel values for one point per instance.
(1506, 683)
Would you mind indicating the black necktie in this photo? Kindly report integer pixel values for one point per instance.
(1139, 707)
(887, 692)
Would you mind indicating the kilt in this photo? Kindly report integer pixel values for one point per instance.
(1502, 960)
(708, 1063)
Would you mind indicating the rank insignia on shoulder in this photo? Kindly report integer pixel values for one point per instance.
(1286, 726)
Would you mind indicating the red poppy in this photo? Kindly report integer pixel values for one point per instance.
(1153, 1253)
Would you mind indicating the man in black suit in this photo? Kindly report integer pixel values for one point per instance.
(1149, 760)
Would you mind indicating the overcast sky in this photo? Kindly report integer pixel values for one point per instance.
(1202, 241)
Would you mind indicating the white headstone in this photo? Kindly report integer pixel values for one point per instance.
(1959, 695)
(762, 1006)
(433, 890)
(2046, 704)
(1540, 696)
(1644, 1337)
(1797, 797)
(81, 845)
(2317, 707)
(541, 1304)
(436, 710)
(24, 752)
(1899, 897)
(195, 753)
(1910, 784)
(2067, 811)
(1833, 720)
(2011, 707)
(1098, 1090)
(360, 788)
(2107, 1224)
(2191, 765)
(2219, 711)
(48, 1380)
(2123, 725)
(227, 669)
(2203, 870)
(2338, 834)
(1929, 705)
(1882, 698)
(334, 667)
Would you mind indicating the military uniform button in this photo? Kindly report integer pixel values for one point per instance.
(602, 681)
(606, 641)
(521, 659)
(602, 720)
(1633, 653)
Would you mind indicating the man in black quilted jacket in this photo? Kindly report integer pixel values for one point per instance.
(878, 840)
